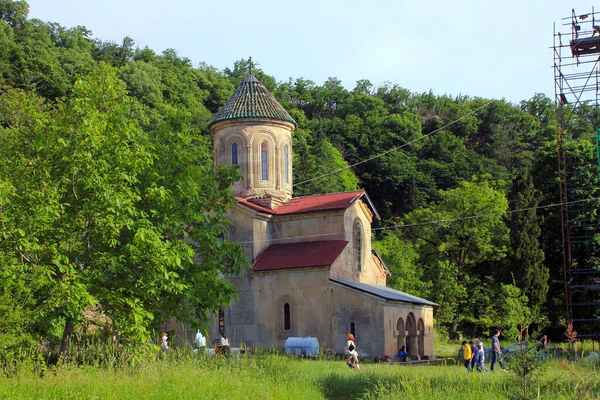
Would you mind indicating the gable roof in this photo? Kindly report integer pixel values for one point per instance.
(320, 202)
(252, 100)
(384, 292)
(299, 255)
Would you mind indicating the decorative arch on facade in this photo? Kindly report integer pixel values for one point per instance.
(358, 244)
(263, 162)
(411, 337)
(401, 334)
(241, 148)
(287, 154)
(421, 338)
(285, 316)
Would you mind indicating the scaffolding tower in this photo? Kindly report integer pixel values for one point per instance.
(577, 87)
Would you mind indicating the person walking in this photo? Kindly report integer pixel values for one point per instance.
(164, 345)
(475, 358)
(481, 365)
(467, 354)
(497, 351)
(225, 350)
(199, 342)
(351, 352)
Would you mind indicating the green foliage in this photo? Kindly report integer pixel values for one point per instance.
(526, 255)
(100, 214)
(401, 259)
(115, 165)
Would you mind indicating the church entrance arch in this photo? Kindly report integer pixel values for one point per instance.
(411, 338)
(401, 333)
(421, 338)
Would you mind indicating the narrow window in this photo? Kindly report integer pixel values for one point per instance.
(286, 157)
(358, 245)
(234, 154)
(287, 321)
(222, 322)
(353, 329)
(264, 162)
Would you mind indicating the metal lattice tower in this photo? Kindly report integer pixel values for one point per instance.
(577, 88)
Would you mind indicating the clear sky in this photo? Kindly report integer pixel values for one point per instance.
(487, 48)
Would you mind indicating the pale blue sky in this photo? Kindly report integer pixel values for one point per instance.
(492, 49)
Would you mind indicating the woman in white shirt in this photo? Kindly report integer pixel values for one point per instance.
(224, 345)
(351, 351)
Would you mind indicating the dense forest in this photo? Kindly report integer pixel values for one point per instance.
(105, 165)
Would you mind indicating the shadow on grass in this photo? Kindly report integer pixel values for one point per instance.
(354, 385)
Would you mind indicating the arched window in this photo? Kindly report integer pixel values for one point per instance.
(286, 157)
(264, 161)
(287, 318)
(234, 154)
(353, 329)
(358, 243)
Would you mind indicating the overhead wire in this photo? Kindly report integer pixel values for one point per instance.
(424, 222)
(394, 148)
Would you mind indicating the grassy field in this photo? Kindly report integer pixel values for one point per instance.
(272, 376)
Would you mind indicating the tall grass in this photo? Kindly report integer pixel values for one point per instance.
(184, 374)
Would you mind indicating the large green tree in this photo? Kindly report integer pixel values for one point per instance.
(461, 240)
(102, 216)
(526, 256)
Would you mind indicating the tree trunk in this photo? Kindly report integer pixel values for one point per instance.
(64, 343)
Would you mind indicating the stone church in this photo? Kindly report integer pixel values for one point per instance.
(313, 270)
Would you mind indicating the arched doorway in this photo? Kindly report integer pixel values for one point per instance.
(421, 338)
(411, 338)
(400, 337)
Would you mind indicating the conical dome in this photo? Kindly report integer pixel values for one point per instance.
(252, 100)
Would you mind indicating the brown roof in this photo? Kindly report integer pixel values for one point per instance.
(300, 255)
(321, 202)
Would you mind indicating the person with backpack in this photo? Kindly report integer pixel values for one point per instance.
(352, 353)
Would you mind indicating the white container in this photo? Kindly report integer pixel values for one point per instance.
(308, 346)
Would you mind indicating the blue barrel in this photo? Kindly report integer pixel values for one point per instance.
(308, 346)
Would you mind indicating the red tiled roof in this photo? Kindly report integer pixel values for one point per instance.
(298, 205)
(299, 255)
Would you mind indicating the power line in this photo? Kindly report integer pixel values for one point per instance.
(395, 148)
(425, 222)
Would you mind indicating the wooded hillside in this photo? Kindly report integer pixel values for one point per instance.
(105, 152)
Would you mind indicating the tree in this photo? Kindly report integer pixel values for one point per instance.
(401, 259)
(526, 256)
(104, 216)
(461, 240)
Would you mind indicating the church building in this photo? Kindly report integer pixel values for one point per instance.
(313, 270)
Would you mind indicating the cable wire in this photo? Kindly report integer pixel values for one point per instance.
(395, 148)
(423, 223)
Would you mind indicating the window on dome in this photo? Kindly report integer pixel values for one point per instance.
(286, 157)
(264, 161)
(234, 154)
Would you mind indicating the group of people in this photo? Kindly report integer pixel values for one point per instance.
(474, 354)
(198, 345)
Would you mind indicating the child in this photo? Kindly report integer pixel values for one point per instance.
(467, 354)
(163, 341)
(481, 365)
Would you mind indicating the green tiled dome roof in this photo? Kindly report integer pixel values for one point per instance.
(252, 100)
